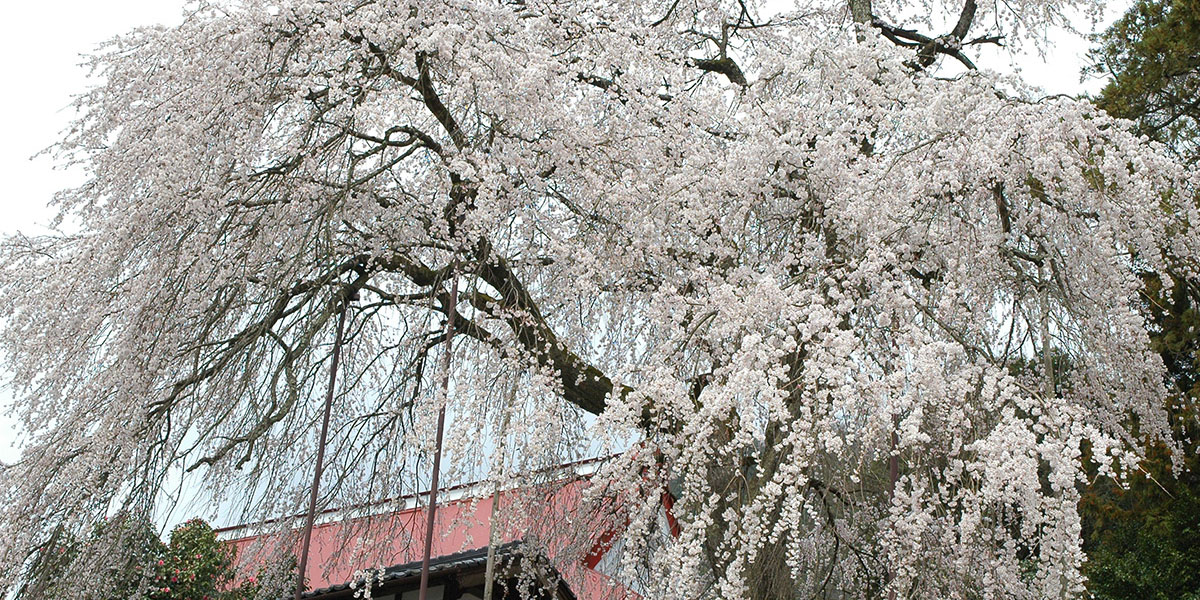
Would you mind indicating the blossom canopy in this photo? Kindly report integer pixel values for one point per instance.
(859, 306)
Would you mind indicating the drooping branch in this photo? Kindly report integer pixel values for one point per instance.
(282, 307)
(265, 328)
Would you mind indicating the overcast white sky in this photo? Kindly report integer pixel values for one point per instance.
(40, 47)
(40, 44)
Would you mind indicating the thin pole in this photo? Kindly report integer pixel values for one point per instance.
(489, 573)
(893, 477)
(312, 497)
(441, 423)
(490, 570)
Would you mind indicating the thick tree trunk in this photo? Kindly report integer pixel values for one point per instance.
(860, 11)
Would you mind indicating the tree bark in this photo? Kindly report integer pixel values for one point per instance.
(860, 11)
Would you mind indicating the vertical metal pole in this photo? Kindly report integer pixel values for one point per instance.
(312, 497)
(893, 477)
(490, 571)
(441, 423)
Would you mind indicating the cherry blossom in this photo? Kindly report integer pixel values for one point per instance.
(858, 303)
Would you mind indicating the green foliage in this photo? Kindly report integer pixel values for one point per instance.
(1143, 538)
(116, 554)
(1147, 543)
(193, 565)
(1152, 55)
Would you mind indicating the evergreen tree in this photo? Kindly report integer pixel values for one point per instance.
(1152, 55)
(1141, 537)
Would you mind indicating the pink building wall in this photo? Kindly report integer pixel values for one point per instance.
(344, 542)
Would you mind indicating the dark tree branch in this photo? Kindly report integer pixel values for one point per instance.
(583, 384)
(724, 66)
(965, 18)
(667, 15)
(281, 308)
(424, 86)
(929, 47)
(1002, 208)
(861, 11)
